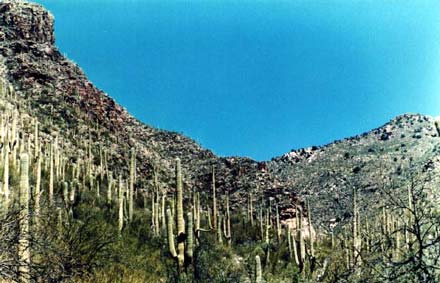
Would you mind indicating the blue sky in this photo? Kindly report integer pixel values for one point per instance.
(258, 78)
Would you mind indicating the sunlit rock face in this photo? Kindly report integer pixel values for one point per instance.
(26, 21)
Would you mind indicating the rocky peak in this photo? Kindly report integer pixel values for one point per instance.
(25, 21)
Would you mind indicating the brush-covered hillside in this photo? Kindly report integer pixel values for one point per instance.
(90, 194)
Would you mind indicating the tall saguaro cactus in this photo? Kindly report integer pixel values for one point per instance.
(109, 188)
(131, 186)
(170, 234)
(162, 212)
(51, 179)
(190, 236)
(24, 255)
(37, 191)
(5, 188)
(219, 229)
(258, 273)
(120, 206)
(292, 242)
(185, 241)
(302, 247)
(179, 214)
(228, 222)
(311, 239)
(214, 199)
(356, 235)
(36, 144)
(278, 224)
(250, 208)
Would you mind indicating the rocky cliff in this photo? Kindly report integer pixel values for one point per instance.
(57, 91)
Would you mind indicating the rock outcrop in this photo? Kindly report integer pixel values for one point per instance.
(27, 22)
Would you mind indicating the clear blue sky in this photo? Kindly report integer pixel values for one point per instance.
(258, 78)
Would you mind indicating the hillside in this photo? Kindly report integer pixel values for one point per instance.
(53, 113)
(55, 87)
(326, 174)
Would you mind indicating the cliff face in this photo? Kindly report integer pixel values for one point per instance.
(57, 91)
(27, 22)
(39, 70)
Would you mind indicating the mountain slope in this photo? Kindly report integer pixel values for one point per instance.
(370, 161)
(55, 87)
(56, 91)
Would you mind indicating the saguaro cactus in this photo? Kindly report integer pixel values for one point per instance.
(214, 199)
(250, 208)
(268, 227)
(36, 145)
(51, 178)
(106, 163)
(397, 240)
(219, 229)
(179, 215)
(6, 191)
(37, 191)
(131, 187)
(190, 236)
(170, 234)
(258, 273)
(228, 222)
(101, 163)
(260, 218)
(185, 241)
(121, 206)
(66, 195)
(278, 224)
(289, 242)
(311, 239)
(208, 212)
(356, 235)
(109, 188)
(302, 247)
(295, 249)
(13, 140)
(198, 216)
(153, 212)
(162, 211)
(293, 253)
(23, 238)
(156, 219)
